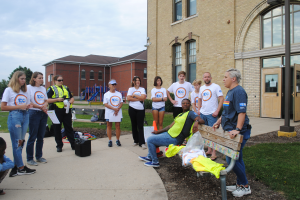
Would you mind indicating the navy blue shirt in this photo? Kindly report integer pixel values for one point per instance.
(186, 130)
(235, 102)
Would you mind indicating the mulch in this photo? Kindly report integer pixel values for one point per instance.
(182, 183)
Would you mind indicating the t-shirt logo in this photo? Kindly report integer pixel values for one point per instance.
(39, 98)
(226, 103)
(20, 99)
(196, 101)
(137, 93)
(206, 95)
(180, 92)
(115, 101)
(159, 95)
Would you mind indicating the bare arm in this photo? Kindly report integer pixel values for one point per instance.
(5, 107)
(170, 98)
(159, 99)
(55, 100)
(221, 100)
(164, 129)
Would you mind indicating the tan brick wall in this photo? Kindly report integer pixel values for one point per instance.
(215, 41)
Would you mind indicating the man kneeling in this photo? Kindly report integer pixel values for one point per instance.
(184, 125)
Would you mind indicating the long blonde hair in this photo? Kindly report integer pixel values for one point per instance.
(14, 82)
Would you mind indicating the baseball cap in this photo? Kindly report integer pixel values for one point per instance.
(112, 82)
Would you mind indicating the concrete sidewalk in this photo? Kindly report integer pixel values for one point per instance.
(109, 173)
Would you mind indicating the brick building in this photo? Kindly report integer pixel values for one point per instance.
(198, 36)
(80, 72)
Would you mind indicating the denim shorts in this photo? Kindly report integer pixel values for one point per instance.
(159, 109)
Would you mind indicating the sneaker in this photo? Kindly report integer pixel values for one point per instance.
(110, 143)
(144, 146)
(32, 162)
(135, 144)
(41, 160)
(13, 172)
(241, 191)
(146, 159)
(118, 143)
(151, 164)
(59, 149)
(25, 170)
(232, 188)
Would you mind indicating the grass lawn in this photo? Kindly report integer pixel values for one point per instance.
(125, 124)
(276, 165)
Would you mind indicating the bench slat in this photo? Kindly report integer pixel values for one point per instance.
(86, 111)
(238, 138)
(221, 140)
(222, 149)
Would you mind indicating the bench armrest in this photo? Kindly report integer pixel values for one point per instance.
(229, 168)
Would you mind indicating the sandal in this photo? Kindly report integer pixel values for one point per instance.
(214, 158)
(2, 192)
(207, 153)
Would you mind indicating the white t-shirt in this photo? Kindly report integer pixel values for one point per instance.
(136, 104)
(14, 99)
(114, 100)
(209, 96)
(195, 99)
(158, 93)
(38, 95)
(181, 91)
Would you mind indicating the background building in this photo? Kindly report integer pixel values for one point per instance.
(80, 72)
(198, 36)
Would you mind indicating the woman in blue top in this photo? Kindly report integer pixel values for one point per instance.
(235, 120)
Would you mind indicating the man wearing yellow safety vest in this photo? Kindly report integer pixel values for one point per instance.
(57, 95)
(185, 124)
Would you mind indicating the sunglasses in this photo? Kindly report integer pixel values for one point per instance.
(60, 80)
(114, 84)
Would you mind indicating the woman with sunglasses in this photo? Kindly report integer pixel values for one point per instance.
(16, 100)
(57, 94)
(37, 119)
(136, 96)
(113, 113)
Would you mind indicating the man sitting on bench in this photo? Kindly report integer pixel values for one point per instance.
(185, 124)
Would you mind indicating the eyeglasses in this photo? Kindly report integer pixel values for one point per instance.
(60, 80)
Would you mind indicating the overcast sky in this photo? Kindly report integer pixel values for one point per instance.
(34, 32)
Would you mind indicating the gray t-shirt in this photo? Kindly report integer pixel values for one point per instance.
(187, 126)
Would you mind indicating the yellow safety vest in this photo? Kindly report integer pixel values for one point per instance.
(58, 92)
(176, 129)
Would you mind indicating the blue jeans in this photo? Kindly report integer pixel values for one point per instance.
(163, 139)
(209, 119)
(37, 128)
(239, 167)
(159, 109)
(17, 123)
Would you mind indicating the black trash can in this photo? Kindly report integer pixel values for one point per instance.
(83, 147)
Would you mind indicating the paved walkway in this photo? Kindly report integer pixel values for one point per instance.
(109, 173)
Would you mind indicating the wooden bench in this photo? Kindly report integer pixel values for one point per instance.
(221, 142)
(84, 111)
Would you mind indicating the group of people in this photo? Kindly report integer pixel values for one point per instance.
(28, 106)
(206, 102)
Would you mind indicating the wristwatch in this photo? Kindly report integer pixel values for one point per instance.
(237, 129)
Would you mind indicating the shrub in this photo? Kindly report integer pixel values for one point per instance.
(148, 104)
(169, 105)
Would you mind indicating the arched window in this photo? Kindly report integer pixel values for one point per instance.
(191, 60)
(91, 75)
(83, 74)
(274, 26)
(176, 61)
(100, 75)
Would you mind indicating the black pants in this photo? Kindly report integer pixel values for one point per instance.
(66, 120)
(177, 111)
(137, 125)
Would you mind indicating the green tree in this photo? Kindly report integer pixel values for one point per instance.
(27, 71)
(3, 85)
